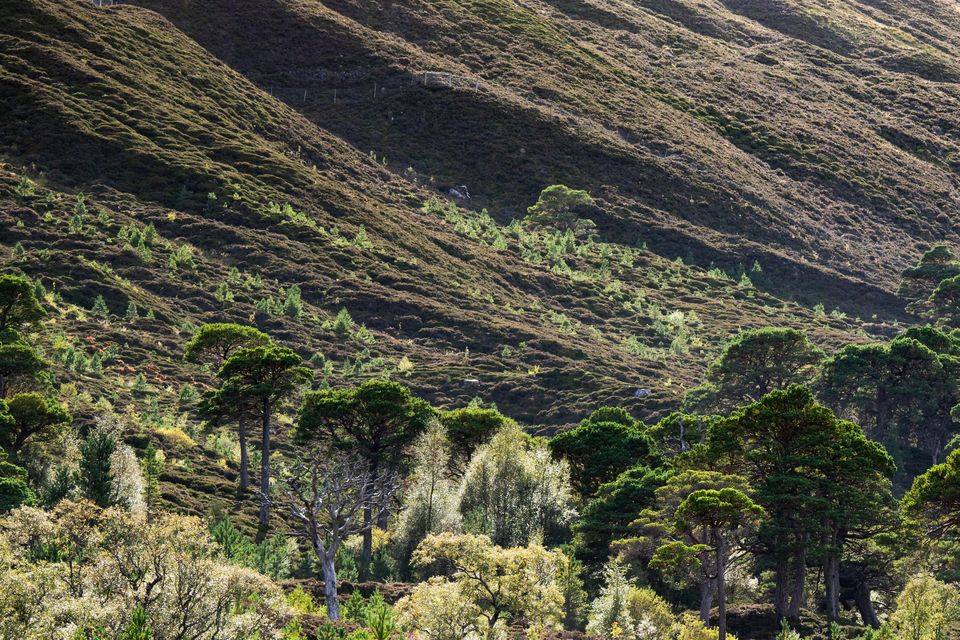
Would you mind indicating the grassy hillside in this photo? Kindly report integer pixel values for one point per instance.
(818, 137)
(161, 133)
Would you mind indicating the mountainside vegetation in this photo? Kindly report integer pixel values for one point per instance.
(479, 319)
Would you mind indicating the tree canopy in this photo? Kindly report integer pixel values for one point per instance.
(754, 363)
(33, 417)
(266, 375)
(216, 342)
(599, 451)
(561, 207)
(467, 429)
(18, 303)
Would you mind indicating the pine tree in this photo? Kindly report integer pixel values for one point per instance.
(138, 628)
(152, 465)
(96, 473)
(100, 308)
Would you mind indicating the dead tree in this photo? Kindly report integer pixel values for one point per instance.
(326, 494)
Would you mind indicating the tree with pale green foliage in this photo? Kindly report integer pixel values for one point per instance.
(514, 491)
(926, 609)
(496, 585)
(430, 500)
(624, 611)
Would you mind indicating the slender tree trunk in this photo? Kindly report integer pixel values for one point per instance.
(366, 550)
(330, 585)
(883, 415)
(3, 387)
(244, 456)
(865, 605)
(799, 580)
(265, 472)
(707, 590)
(721, 589)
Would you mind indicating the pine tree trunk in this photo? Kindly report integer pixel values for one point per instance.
(265, 472)
(706, 599)
(831, 576)
(244, 456)
(781, 579)
(799, 580)
(366, 550)
(865, 605)
(721, 590)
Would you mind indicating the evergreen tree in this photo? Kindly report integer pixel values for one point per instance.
(14, 490)
(599, 451)
(96, 468)
(267, 375)
(213, 344)
(467, 429)
(902, 392)
(20, 367)
(753, 364)
(152, 466)
(34, 418)
(138, 628)
(19, 306)
(803, 462)
(100, 308)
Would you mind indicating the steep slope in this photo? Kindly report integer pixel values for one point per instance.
(816, 136)
(119, 105)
